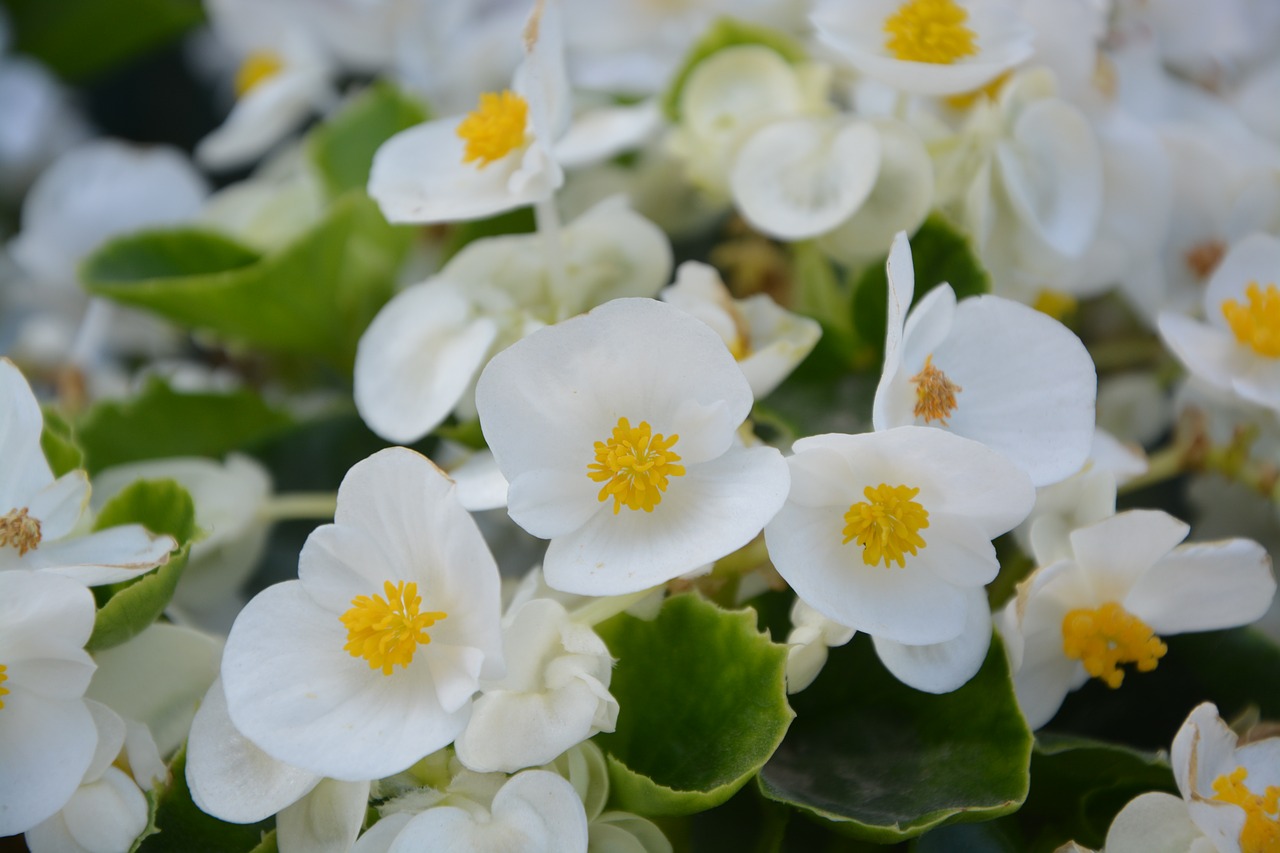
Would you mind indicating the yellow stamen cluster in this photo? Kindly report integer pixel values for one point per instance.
(387, 631)
(495, 129)
(935, 394)
(1107, 636)
(1261, 833)
(1058, 305)
(4, 691)
(257, 68)
(887, 525)
(930, 31)
(634, 465)
(1256, 325)
(19, 530)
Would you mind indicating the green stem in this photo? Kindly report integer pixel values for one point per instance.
(299, 505)
(596, 611)
(1165, 464)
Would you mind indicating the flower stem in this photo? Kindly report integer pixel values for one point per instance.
(598, 610)
(547, 219)
(299, 505)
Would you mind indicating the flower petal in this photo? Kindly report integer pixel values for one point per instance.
(943, 667)
(1204, 587)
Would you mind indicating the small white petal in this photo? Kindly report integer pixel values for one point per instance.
(326, 820)
(947, 666)
(1204, 587)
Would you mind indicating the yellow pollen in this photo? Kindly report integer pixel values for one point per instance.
(495, 129)
(1108, 636)
(1203, 258)
(386, 632)
(1256, 325)
(4, 691)
(1261, 833)
(887, 525)
(1056, 304)
(935, 394)
(258, 67)
(19, 530)
(930, 31)
(634, 466)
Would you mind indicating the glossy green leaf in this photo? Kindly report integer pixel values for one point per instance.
(887, 762)
(58, 442)
(161, 422)
(184, 828)
(703, 706)
(940, 253)
(726, 32)
(314, 297)
(162, 506)
(342, 148)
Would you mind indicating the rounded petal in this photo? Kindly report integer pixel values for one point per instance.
(107, 815)
(46, 746)
(943, 667)
(1117, 551)
(107, 556)
(264, 116)
(1205, 587)
(21, 423)
(1210, 353)
(326, 820)
(1152, 823)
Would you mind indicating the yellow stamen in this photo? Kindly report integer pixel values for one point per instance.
(887, 525)
(1107, 636)
(20, 530)
(495, 129)
(386, 632)
(1261, 833)
(1058, 305)
(634, 466)
(935, 394)
(1256, 325)
(991, 91)
(1203, 258)
(931, 31)
(258, 67)
(4, 691)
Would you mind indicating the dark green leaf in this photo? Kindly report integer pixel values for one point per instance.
(342, 148)
(518, 221)
(888, 762)
(940, 253)
(184, 828)
(703, 706)
(58, 442)
(161, 422)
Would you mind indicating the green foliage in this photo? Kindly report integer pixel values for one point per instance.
(518, 221)
(940, 253)
(58, 442)
(726, 32)
(704, 706)
(314, 297)
(78, 39)
(887, 762)
(184, 828)
(161, 422)
(161, 506)
(342, 148)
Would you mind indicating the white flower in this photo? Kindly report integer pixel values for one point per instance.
(494, 159)
(379, 646)
(47, 732)
(1229, 791)
(890, 533)
(811, 635)
(928, 47)
(616, 431)
(1238, 349)
(1124, 585)
(767, 341)
(989, 369)
(41, 515)
(555, 693)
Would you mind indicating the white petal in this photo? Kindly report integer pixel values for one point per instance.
(26, 471)
(382, 834)
(606, 132)
(60, 504)
(1209, 353)
(111, 736)
(1256, 258)
(509, 731)
(264, 116)
(45, 747)
(1204, 587)
(1116, 551)
(947, 666)
(326, 820)
(107, 815)
(108, 556)
(417, 358)
(1152, 823)
(46, 622)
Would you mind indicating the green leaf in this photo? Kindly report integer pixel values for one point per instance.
(162, 506)
(726, 32)
(703, 703)
(161, 422)
(940, 253)
(184, 828)
(314, 297)
(887, 762)
(78, 39)
(58, 442)
(518, 221)
(342, 148)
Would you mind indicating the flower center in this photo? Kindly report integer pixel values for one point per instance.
(19, 530)
(1261, 833)
(386, 632)
(1202, 258)
(1256, 325)
(935, 394)
(931, 31)
(258, 67)
(887, 525)
(4, 691)
(1108, 636)
(634, 465)
(495, 129)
